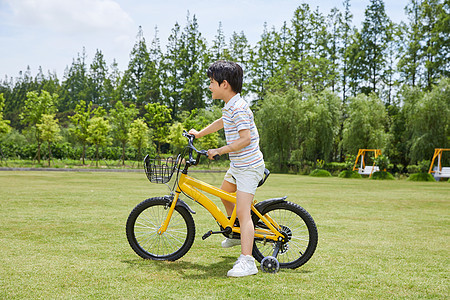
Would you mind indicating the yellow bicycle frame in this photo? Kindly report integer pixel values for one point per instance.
(192, 188)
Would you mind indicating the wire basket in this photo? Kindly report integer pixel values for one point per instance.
(159, 170)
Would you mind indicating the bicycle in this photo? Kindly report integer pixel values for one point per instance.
(162, 228)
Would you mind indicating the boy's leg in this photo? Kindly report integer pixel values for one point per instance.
(245, 265)
(230, 188)
(243, 211)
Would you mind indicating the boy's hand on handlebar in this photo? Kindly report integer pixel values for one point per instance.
(213, 154)
(194, 133)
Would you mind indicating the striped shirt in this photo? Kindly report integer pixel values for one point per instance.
(236, 116)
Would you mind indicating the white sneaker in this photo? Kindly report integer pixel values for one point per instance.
(228, 243)
(244, 266)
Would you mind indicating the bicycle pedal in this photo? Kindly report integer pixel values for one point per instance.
(207, 235)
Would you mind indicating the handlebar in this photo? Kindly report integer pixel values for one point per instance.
(191, 147)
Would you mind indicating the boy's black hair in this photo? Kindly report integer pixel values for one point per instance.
(227, 70)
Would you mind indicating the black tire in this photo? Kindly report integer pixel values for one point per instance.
(300, 228)
(144, 222)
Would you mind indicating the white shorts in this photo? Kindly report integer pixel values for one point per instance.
(245, 179)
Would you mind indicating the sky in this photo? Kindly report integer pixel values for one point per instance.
(51, 33)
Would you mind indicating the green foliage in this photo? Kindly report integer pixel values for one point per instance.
(382, 175)
(4, 124)
(121, 119)
(349, 161)
(158, 117)
(349, 174)
(175, 139)
(49, 131)
(139, 60)
(199, 119)
(364, 127)
(36, 105)
(382, 161)
(421, 177)
(298, 126)
(427, 121)
(81, 121)
(138, 135)
(424, 166)
(274, 122)
(375, 38)
(320, 173)
(320, 163)
(98, 131)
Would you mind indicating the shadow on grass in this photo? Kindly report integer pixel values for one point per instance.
(190, 270)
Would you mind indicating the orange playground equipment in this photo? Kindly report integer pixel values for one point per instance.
(363, 169)
(438, 171)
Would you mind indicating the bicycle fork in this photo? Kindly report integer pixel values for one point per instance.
(165, 224)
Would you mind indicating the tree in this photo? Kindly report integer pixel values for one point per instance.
(428, 121)
(35, 106)
(276, 121)
(150, 85)
(121, 120)
(97, 82)
(4, 124)
(137, 66)
(434, 27)
(346, 33)
(264, 60)
(98, 131)
(16, 95)
(75, 83)
(138, 136)
(365, 126)
(319, 126)
(219, 46)
(193, 68)
(175, 138)
(398, 147)
(334, 46)
(374, 41)
(81, 121)
(171, 72)
(158, 117)
(49, 131)
(411, 37)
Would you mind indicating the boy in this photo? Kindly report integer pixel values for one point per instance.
(246, 160)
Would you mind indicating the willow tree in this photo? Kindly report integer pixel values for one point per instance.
(365, 126)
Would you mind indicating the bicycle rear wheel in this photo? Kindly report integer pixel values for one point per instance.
(298, 225)
(144, 222)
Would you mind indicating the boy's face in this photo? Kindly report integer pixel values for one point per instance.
(216, 89)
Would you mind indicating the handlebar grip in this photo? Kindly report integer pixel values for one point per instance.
(216, 157)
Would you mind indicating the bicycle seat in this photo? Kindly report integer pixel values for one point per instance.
(266, 174)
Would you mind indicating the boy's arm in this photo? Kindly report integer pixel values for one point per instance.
(243, 141)
(213, 127)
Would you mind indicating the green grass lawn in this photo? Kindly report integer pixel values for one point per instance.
(63, 236)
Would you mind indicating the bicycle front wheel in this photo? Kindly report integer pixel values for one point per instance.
(143, 225)
(299, 227)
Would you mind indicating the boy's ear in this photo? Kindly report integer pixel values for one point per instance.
(225, 83)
